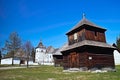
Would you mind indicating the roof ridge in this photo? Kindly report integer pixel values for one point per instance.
(85, 21)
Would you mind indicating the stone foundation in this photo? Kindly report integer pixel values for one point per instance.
(92, 70)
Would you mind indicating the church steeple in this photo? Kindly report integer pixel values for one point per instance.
(40, 45)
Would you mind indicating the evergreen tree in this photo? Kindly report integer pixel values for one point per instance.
(33, 54)
(118, 42)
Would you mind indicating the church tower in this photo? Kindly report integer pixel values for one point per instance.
(43, 55)
(40, 51)
(87, 48)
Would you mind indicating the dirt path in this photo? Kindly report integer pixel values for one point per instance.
(5, 68)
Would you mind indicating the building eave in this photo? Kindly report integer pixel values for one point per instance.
(88, 43)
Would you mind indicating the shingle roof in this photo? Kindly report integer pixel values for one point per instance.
(50, 49)
(58, 51)
(40, 45)
(84, 21)
(89, 43)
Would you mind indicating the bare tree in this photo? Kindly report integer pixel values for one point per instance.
(20, 54)
(13, 44)
(28, 49)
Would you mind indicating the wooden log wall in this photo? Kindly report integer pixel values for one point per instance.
(94, 35)
(80, 37)
(89, 60)
(58, 60)
(100, 60)
(85, 34)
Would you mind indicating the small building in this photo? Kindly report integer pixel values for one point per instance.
(58, 57)
(43, 55)
(87, 48)
(117, 57)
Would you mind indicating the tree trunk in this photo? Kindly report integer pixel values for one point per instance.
(0, 57)
(20, 62)
(13, 59)
(12, 62)
(0, 61)
(27, 62)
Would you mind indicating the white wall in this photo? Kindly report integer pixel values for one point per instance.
(43, 58)
(31, 63)
(9, 61)
(47, 63)
(39, 55)
(116, 57)
(6, 61)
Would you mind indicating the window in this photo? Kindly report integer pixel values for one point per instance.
(95, 33)
(75, 36)
(37, 51)
(90, 58)
(41, 50)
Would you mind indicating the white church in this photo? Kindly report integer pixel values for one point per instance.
(43, 55)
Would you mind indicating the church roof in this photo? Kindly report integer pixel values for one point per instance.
(50, 49)
(40, 45)
(88, 43)
(84, 21)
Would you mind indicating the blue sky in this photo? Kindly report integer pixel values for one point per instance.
(49, 20)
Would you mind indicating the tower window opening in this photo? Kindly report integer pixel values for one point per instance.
(75, 36)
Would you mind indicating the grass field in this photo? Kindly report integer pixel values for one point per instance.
(55, 73)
